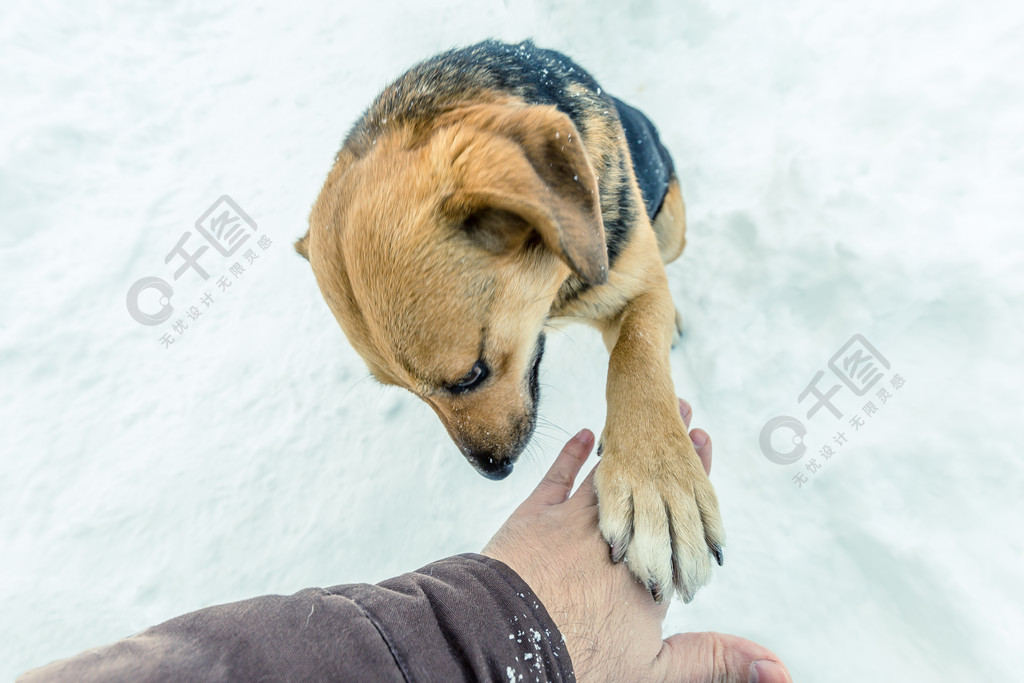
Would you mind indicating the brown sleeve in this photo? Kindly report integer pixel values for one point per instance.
(462, 618)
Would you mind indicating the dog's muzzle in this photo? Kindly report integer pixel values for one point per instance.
(497, 466)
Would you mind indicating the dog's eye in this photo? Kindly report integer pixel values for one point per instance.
(472, 380)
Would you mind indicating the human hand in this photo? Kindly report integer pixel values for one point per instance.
(611, 625)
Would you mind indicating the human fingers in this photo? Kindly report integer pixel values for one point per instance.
(585, 495)
(556, 485)
(700, 438)
(702, 442)
(718, 657)
(685, 411)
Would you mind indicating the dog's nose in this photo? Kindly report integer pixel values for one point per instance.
(491, 467)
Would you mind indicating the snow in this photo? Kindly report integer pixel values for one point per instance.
(848, 168)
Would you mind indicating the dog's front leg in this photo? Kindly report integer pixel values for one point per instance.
(658, 510)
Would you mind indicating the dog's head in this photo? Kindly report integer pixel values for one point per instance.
(440, 249)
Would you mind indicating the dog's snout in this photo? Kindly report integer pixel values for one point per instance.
(491, 467)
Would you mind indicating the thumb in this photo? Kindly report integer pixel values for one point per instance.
(556, 485)
(718, 657)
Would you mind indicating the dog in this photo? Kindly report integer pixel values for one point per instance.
(486, 194)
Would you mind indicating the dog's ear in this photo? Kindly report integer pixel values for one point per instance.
(301, 246)
(498, 230)
(554, 194)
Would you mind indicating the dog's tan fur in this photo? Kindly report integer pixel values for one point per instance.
(454, 233)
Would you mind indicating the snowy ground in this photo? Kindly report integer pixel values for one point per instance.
(850, 168)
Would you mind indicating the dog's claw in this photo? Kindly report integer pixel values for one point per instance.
(716, 550)
(618, 552)
(657, 593)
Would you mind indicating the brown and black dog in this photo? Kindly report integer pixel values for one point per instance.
(487, 193)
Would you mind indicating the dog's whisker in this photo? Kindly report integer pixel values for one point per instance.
(356, 384)
(543, 442)
(540, 436)
(543, 421)
(530, 454)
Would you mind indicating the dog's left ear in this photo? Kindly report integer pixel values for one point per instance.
(554, 194)
(301, 246)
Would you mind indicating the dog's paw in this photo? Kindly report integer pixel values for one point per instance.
(659, 513)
